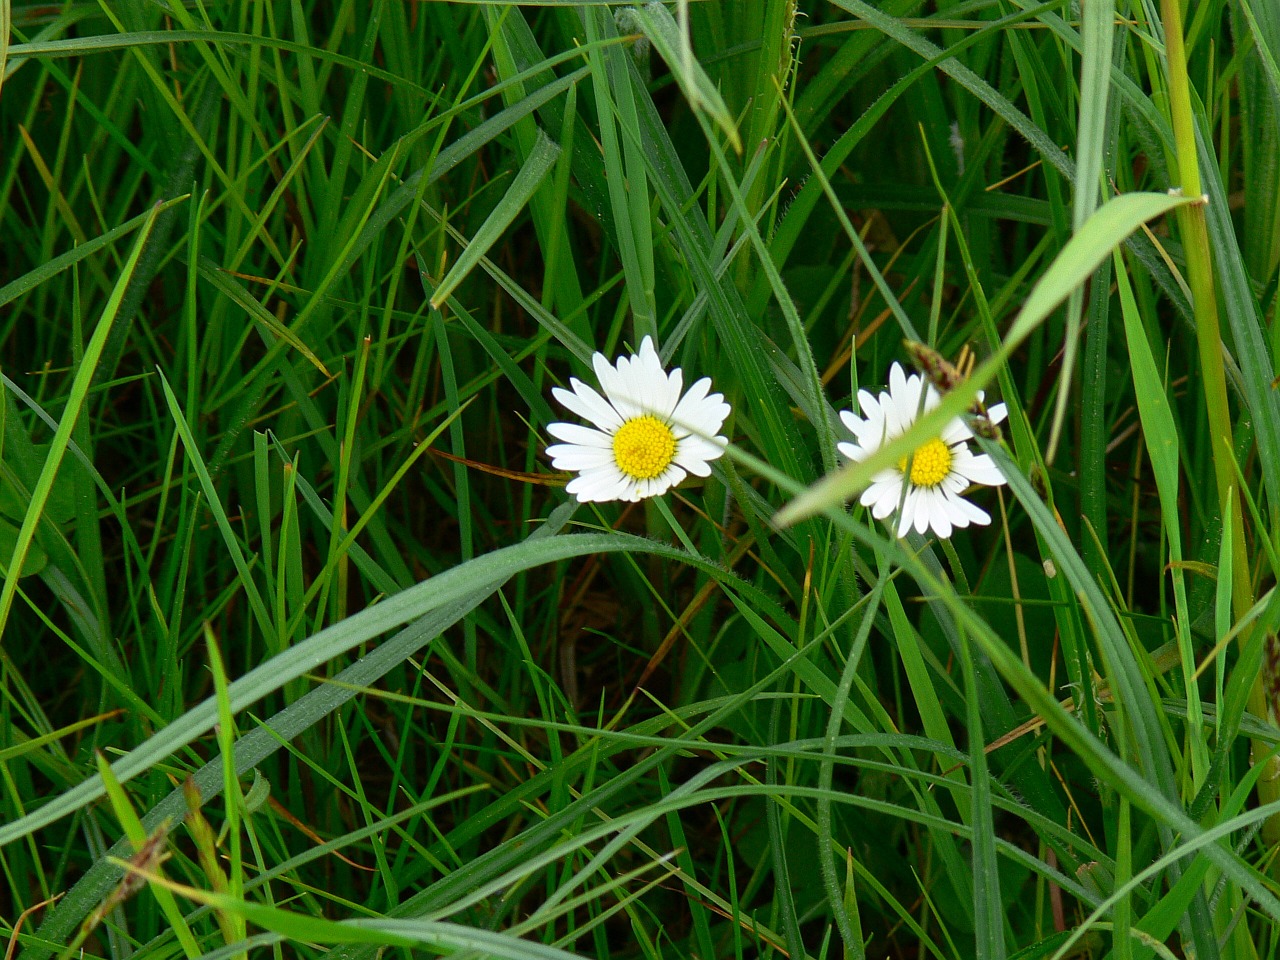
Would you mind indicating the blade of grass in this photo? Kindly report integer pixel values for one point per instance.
(1097, 27)
(75, 401)
(530, 176)
(673, 45)
(251, 749)
(1160, 434)
(443, 590)
(137, 835)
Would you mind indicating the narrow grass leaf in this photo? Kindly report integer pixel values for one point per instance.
(527, 180)
(1160, 434)
(1266, 35)
(255, 746)
(1246, 325)
(71, 411)
(674, 47)
(28, 282)
(1088, 247)
(153, 848)
(440, 591)
(229, 539)
(1097, 27)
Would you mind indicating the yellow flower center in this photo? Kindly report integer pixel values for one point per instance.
(930, 464)
(643, 447)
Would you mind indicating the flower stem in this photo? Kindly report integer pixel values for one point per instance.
(1195, 240)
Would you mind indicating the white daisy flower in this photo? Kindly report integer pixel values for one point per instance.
(645, 437)
(929, 482)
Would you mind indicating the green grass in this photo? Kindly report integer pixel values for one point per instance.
(307, 653)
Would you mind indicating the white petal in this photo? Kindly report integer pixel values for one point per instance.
(674, 476)
(883, 501)
(955, 432)
(620, 390)
(588, 404)
(908, 397)
(653, 388)
(939, 515)
(674, 384)
(921, 510)
(898, 381)
(889, 480)
(605, 371)
(931, 396)
(639, 383)
(880, 429)
(998, 413)
(907, 517)
(596, 486)
(976, 468)
(870, 405)
(974, 512)
(576, 433)
(656, 486)
(616, 385)
(896, 418)
(851, 451)
(648, 355)
(699, 412)
(573, 456)
(695, 455)
(852, 422)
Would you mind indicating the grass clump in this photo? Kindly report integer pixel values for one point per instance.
(307, 652)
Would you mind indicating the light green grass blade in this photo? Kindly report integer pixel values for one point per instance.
(1243, 318)
(230, 541)
(138, 837)
(1097, 27)
(417, 601)
(1266, 37)
(617, 99)
(254, 747)
(983, 91)
(1105, 230)
(51, 268)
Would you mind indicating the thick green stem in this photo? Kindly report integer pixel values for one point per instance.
(1195, 241)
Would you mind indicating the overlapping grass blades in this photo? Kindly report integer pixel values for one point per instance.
(285, 286)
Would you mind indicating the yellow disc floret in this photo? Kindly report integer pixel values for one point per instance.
(930, 464)
(643, 447)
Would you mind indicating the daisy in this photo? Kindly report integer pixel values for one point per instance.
(929, 482)
(644, 436)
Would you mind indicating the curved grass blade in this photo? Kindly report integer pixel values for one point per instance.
(1102, 233)
(257, 745)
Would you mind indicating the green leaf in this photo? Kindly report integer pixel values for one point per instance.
(437, 593)
(1105, 230)
(35, 560)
